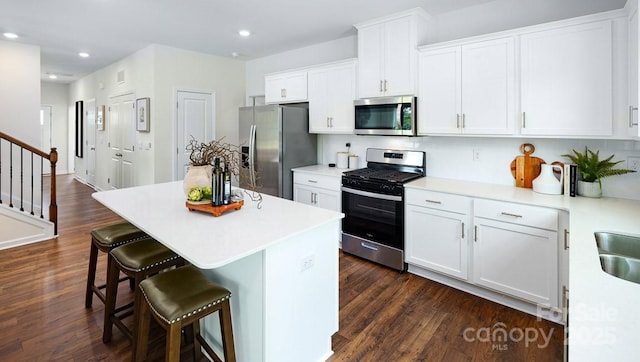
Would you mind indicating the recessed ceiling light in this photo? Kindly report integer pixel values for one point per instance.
(244, 33)
(10, 35)
(83, 55)
(53, 76)
(235, 54)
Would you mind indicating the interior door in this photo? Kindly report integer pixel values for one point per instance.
(122, 140)
(45, 132)
(195, 118)
(90, 140)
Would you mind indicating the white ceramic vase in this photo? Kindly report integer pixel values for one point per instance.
(196, 176)
(589, 189)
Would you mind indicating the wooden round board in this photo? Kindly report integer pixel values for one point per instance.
(526, 168)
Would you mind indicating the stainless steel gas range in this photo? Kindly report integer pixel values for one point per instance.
(373, 204)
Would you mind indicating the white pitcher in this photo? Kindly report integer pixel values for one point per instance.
(546, 182)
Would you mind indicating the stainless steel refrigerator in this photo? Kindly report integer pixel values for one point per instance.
(274, 139)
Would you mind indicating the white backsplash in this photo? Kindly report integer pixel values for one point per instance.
(453, 157)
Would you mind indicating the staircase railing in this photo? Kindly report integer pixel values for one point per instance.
(31, 151)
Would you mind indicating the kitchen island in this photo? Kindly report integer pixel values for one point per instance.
(278, 258)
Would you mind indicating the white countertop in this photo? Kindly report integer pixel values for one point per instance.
(210, 242)
(322, 170)
(604, 311)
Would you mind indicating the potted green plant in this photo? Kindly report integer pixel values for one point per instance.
(591, 169)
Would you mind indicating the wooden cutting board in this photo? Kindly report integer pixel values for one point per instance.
(526, 168)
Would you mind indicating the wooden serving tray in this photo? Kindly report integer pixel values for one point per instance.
(214, 210)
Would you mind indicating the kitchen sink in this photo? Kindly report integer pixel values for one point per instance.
(619, 244)
(621, 267)
(619, 255)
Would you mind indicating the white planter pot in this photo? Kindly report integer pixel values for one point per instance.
(589, 189)
(196, 176)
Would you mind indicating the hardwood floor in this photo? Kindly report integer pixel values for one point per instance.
(384, 315)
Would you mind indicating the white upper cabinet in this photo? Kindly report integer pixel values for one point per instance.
(387, 55)
(286, 87)
(566, 80)
(467, 89)
(332, 89)
(632, 23)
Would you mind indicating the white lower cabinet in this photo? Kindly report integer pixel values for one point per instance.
(506, 247)
(326, 199)
(443, 245)
(316, 189)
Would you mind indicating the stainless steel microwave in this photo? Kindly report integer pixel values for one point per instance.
(391, 116)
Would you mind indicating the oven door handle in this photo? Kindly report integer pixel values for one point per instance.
(371, 194)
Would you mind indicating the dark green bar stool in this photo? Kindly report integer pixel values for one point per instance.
(137, 260)
(104, 239)
(177, 299)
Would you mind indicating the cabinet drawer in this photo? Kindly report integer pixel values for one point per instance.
(438, 200)
(315, 180)
(538, 217)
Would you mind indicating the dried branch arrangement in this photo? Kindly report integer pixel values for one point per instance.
(202, 154)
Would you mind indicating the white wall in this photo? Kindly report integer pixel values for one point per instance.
(186, 70)
(20, 91)
(19, 107)
(56, 95)
(102, 84)
(157, 72)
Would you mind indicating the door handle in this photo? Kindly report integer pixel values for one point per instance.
(631, 123)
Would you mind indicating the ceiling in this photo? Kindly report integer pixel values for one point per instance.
(110, 30)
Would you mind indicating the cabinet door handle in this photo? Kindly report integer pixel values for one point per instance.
(457, 120)
(385, 85)
(312, 181)
(509, 214)
(566, 239)
(631, 123)
(475, 233)
(565, 299)
(330, 122)
(327, 122)
(463, 230)
(433, 201)
(463, 120)
(381, 90)
(524, 120)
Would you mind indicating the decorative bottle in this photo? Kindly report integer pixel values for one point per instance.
(217, 181)
(227, 185)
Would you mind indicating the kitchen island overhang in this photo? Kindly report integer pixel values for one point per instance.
(280, 262)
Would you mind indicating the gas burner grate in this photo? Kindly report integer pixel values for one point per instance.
(383, 175)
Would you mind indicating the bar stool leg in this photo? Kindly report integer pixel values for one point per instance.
(227, 332)
(197, 347)
(111, 296)
(91, 277)
(174, 332)
(142, 327)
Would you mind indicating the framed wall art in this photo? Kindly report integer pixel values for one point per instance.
(142, 114)
(100, 117)
(79, 122)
